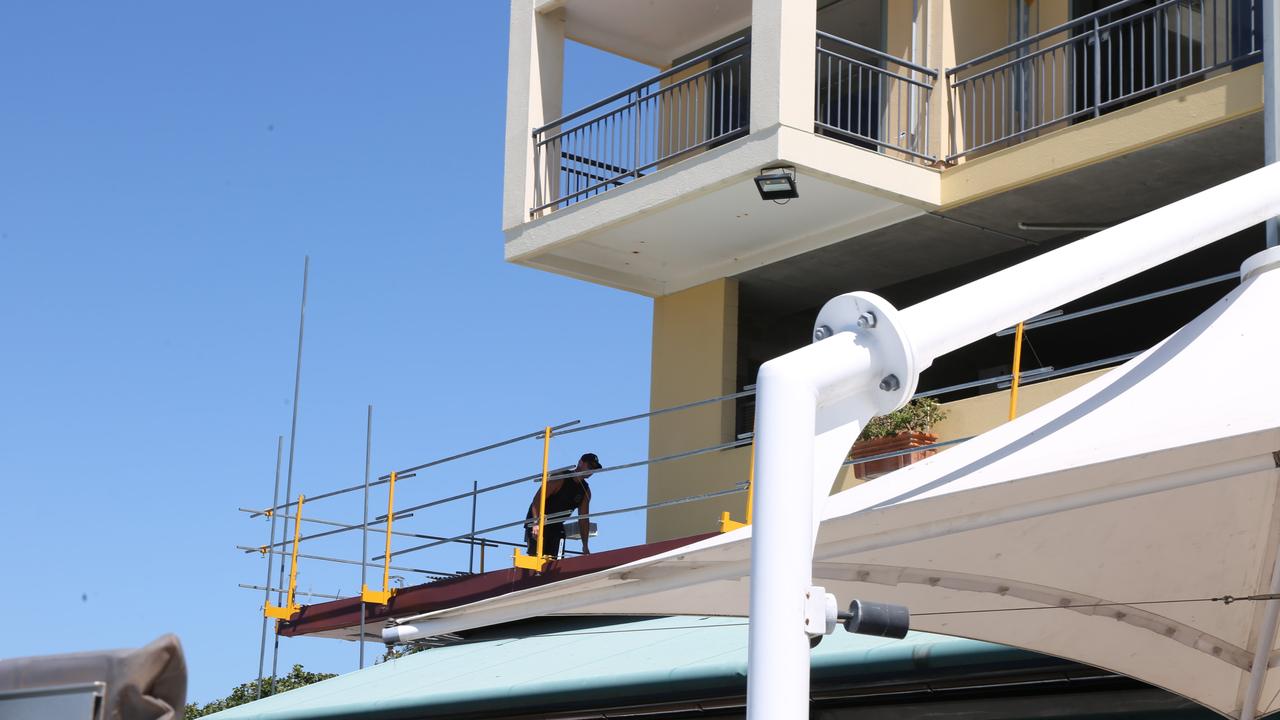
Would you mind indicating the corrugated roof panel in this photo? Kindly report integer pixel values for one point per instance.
(579, 662)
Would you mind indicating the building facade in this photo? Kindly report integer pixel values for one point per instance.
(930, 142)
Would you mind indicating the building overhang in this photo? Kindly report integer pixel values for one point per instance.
(654, 32)
(702, 218)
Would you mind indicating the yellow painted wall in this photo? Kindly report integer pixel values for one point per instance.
(976, 415)
(695, 331)
(695, 343)
(897, 97)
(682, 113)
(1169, 116)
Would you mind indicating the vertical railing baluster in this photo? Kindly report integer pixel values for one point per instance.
(1097, 70)
(1177, 39)
(635, 133)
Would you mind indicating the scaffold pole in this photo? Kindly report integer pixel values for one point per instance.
(293, 436)
(266, 599)
(364, 526)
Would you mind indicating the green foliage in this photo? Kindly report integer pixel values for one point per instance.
(403, 650)
(248, 692)
(916, 416)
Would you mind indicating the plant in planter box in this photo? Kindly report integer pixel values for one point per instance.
(902, 429)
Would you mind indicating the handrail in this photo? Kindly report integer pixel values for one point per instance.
(1117, 55)
(666, 89)
(744, 40)
(1063, 317)
(410, 472)
(476, 536)
(490, 542)
(738, 488)
(344, 561)
(880, 54)
(1032, 375)
(1033, 39)
(884, 71)
(887, 110)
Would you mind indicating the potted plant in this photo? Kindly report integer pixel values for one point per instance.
(902, 429)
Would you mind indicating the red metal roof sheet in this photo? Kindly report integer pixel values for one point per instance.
(341, 618)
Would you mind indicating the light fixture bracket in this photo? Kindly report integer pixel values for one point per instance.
(777, 183)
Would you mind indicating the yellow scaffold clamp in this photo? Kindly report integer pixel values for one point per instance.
(728, 524)
(383, 596)
(290, 607)
(539, 561)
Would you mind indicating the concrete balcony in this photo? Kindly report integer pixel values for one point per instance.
(651, 189)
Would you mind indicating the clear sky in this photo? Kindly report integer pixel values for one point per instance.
(164, 168)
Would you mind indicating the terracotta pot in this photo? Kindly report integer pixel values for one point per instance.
(892, 443)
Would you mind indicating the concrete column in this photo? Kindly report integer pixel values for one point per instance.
(695, 346)
(940, 55)
(783, 46)
(535, 78)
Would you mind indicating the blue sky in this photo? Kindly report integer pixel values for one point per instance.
(164, 168)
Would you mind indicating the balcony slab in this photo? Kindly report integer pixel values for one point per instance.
(702, 219)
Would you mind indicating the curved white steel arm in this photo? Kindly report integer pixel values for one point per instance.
(813, 402)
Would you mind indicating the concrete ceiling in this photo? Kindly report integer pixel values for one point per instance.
(731, 222)
(654, 32)
(971, 240)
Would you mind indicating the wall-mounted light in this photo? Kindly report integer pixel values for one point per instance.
(879, 619)
(777, 183)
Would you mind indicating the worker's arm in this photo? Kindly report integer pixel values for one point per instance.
(584, 525)
(553, 486)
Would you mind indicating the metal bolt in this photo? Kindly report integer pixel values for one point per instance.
(821, 333)
(867, 320)
(889, 383)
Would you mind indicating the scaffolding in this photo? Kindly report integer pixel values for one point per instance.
(480, 542)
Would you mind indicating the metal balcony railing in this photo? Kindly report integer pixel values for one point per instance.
(1127, 52)
(694, 105)
(872, 99)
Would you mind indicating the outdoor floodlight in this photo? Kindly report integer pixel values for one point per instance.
(879, 619)
(778, 183)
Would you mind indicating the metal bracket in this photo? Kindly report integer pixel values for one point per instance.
(377, 597)
(820, 611)
(280, 613)
(729, 525)
(530, 562)
(876, 323)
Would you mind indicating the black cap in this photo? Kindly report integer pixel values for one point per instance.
(591, 460)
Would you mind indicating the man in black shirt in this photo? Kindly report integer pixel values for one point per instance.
(564, 495)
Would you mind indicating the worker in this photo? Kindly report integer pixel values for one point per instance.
(567, 490)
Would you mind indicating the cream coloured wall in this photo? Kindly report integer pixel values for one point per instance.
(535, 77)
(694, 339)
(1181, 112)
(966, 418)
(695, 343)
(976, 415)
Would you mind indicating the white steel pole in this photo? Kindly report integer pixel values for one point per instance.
(781, 544)
(969, 313)
(793, 478)
(1270, 96)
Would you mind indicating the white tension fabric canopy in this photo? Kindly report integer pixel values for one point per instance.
(1096, 528)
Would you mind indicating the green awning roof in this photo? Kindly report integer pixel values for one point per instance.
(569, 663)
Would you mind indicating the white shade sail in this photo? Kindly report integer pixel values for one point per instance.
(1098, 528)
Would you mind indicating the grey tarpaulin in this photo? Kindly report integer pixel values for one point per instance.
(148, 683)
